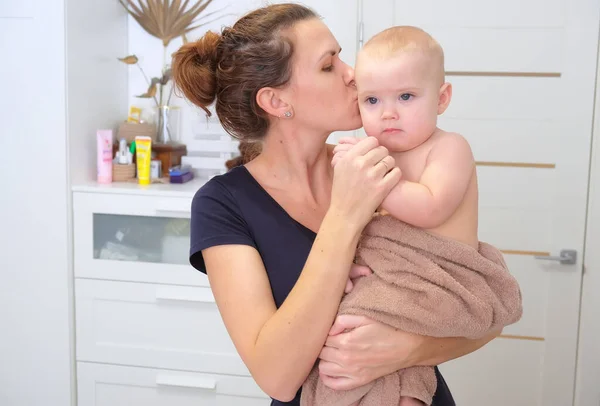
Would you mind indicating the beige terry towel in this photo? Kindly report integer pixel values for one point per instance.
(424, 284)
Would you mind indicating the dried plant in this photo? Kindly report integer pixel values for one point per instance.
(153, 83)
(165, 20)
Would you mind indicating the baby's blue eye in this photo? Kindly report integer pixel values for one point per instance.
(372, 100)
(405, 96)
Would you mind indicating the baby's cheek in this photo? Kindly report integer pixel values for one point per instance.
(370, 122)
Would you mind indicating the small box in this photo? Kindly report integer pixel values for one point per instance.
(131, 130)
(184, 177)
(155, 169)
(123, 173)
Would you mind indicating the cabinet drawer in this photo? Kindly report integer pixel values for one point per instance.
(133, 238)
(110, 385)
(161, 326)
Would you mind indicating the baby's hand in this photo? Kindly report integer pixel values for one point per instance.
(339, 151)
(345, 144)
(349, 140)
(356, 271)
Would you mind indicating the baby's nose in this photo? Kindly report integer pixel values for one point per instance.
(389, 115)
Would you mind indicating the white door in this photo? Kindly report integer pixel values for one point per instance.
(523, 73)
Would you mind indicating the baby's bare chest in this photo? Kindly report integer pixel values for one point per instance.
(412, 163)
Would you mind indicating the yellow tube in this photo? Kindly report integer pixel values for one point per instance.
(143, 150)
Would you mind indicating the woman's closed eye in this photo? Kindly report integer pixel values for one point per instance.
(331, 61)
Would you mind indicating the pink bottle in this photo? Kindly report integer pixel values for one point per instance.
(104, 140)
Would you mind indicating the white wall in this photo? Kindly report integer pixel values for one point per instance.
(35, 366)
(36, 38)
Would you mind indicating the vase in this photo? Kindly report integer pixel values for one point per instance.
(167, 125)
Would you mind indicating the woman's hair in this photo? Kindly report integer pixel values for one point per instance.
(234, 66)
(248, 151)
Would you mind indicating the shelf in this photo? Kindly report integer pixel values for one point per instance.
(130, 188)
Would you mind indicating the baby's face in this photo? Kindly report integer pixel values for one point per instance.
(398, 99)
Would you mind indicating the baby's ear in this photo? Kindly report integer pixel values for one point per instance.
(445, 97)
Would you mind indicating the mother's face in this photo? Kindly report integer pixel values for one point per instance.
(321, 89)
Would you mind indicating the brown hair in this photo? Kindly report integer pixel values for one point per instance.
(248, 151)
(234, 66)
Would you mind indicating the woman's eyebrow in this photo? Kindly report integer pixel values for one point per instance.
(330, 52)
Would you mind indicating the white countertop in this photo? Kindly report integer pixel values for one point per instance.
(156, 189)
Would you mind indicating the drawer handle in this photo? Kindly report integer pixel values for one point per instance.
(186, 382)
(204, 296)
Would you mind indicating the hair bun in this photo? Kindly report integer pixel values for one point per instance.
(194, 70)
(206, 48)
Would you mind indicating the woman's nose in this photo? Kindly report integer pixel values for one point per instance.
(348, 75)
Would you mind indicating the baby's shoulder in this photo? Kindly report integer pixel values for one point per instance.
(448, 136)
(449, 142)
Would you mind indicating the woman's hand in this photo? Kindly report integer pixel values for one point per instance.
(359, 350)
(362, 179)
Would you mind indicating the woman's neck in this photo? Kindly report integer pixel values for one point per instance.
(300, 162)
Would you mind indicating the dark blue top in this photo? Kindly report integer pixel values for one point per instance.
(234, 209)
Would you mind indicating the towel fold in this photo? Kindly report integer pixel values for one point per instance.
(424, 284)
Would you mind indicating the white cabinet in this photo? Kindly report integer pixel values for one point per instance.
(162, 326)
(140, 238)
(148, 331)
(109, 385)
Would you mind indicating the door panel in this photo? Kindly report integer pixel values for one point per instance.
(523, 75)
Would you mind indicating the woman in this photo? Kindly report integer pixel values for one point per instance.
(277, 235)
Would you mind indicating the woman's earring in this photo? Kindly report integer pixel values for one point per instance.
(288, 114)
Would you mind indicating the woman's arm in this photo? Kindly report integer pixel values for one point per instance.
(370, 350)
(436, 351)
(280, 346)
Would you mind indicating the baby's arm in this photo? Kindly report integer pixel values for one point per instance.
(441, 188)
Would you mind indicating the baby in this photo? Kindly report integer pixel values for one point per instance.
(401, 91)
(431, 274)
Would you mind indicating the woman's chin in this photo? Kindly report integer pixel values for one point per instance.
(354, 123)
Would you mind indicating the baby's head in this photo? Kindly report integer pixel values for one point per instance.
(401, 87)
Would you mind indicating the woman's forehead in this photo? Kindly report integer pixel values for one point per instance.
(312, 37)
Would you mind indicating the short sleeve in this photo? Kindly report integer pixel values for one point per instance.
(216, 219)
